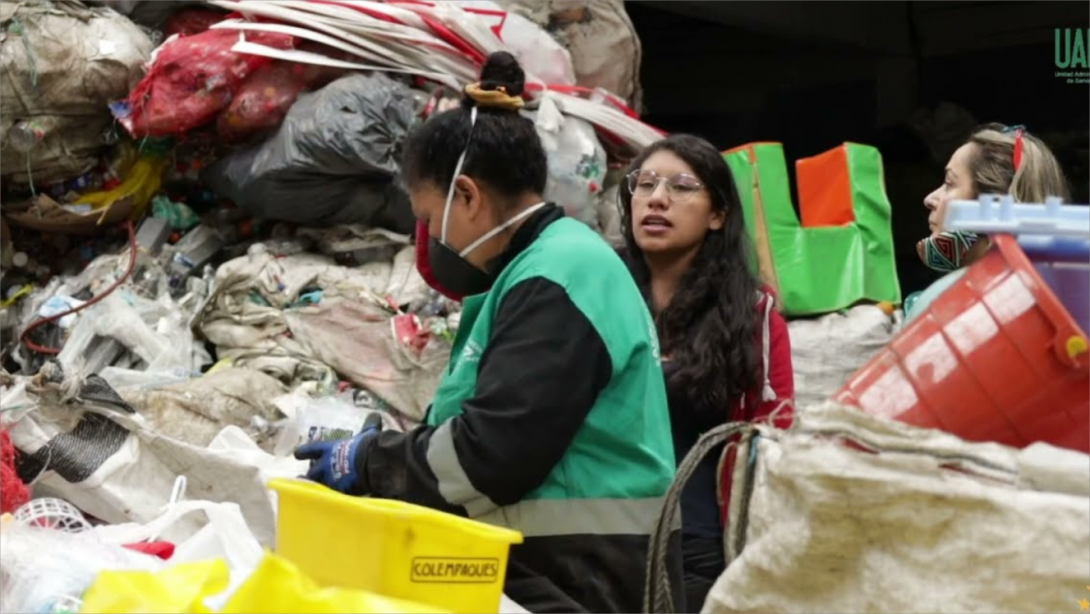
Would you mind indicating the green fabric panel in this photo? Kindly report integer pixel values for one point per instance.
(826, 269)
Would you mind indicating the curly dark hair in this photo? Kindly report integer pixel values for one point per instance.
(710, 326)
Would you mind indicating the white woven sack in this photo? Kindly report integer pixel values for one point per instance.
(906, 520)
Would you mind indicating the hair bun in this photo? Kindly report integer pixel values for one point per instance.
(502, 70)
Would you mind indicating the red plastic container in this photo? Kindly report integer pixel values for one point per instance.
(997, 358)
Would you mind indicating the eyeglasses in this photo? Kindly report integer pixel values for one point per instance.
(679, 188)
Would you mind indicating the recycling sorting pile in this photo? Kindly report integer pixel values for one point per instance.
(207, 254)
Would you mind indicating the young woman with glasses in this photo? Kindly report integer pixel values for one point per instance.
(725, 351)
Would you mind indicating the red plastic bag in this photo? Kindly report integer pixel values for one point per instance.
(190, 81)
(162, 550)
(264, 99)
(188, 22)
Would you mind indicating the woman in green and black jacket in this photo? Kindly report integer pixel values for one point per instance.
(552, 416)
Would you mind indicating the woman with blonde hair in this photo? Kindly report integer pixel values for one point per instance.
(996, 159)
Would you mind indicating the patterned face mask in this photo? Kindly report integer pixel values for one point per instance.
(946, 251)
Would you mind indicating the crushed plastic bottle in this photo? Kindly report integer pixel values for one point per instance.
(195, 250)
(282, 248)
(25, 135)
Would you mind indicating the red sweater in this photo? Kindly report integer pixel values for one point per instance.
(779, 386)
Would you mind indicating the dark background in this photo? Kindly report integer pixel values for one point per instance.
(812, 75)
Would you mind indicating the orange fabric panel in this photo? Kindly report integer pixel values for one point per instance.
(825, 190)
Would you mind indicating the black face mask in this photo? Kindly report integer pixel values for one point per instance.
(458, 275)
(454, 272)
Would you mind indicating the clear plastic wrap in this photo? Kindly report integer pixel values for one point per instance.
(324, 419)
(45, 570)
(168, 347)
(577, 162)
(609, 216)
(330, 418)
(540, 55)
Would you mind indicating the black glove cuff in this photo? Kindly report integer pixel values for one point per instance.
(362, 487)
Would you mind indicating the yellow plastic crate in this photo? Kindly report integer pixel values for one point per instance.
(392, 548)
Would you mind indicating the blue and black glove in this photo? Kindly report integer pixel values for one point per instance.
(337, 464)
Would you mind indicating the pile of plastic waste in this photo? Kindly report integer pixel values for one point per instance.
(208, 258)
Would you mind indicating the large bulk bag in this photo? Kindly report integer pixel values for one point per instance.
(845, 512)
(61, 64)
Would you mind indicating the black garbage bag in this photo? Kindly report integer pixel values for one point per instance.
(332, 161)
(149, 14)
